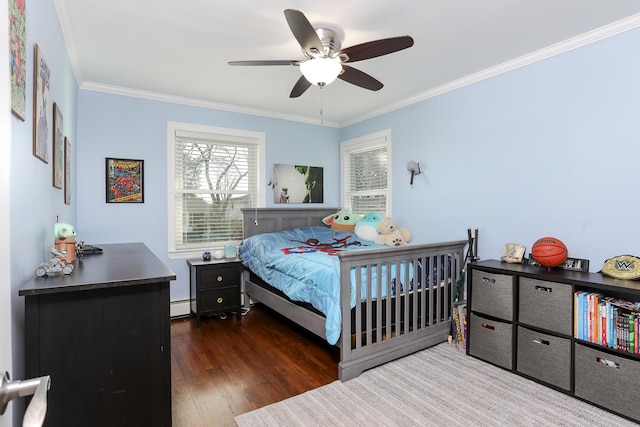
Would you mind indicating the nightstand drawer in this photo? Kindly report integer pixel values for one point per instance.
(545, 357)
(607, 380)
(492, 294)
(491, 341)
(220, 276)
(546, 305)
(219, 299)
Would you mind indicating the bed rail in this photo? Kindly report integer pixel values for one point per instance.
(401, 316)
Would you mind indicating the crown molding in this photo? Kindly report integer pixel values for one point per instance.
(154, 96)
(590, 37)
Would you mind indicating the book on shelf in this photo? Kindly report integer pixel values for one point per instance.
(608, 321)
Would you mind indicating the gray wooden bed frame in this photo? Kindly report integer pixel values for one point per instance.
(410, 330)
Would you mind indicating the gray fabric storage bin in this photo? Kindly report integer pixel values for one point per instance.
(613, 387)
(544, 357)
(491, 341)
(546, 305)
(492, 294)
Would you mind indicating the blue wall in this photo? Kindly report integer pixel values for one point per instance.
(547, 149)
(133, 128)
(550, 149)
(34, 202)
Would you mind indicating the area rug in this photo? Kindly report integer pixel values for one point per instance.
(434, 387)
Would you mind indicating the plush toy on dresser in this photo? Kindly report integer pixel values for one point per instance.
(391, 235)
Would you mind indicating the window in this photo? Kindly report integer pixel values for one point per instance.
(212, 173)
(366, 173)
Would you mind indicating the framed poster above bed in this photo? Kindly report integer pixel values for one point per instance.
(297, 184)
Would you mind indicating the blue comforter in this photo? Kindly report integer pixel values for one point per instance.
(303, 264)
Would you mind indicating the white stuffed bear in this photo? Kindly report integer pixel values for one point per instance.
(390, 235)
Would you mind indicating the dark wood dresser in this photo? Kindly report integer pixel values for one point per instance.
(103, 334)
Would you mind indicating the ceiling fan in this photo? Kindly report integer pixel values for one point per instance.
(325, 60)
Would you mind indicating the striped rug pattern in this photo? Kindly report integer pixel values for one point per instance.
(434, 387)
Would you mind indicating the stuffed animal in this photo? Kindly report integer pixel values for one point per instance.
(390, 235)
(397, 237)
(343, 220)
(367, 227)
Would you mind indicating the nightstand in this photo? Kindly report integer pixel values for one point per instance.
(214, 286)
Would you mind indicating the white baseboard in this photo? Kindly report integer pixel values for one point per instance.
(179, 308)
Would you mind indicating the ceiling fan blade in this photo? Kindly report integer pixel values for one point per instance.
(359, 78)
(304, 32)
(300, 87)
(266, 62)
(376, 48)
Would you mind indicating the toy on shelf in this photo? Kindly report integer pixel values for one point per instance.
(65, 235)
(55, 264)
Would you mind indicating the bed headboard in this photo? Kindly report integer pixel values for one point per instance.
(266, 220)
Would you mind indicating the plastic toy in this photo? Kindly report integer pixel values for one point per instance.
(55, 264)
(62, 230)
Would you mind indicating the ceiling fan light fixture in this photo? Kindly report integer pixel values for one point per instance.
(321, 71)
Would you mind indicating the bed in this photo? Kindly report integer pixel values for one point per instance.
(396, 301)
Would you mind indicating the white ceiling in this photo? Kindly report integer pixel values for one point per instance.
(178, 49)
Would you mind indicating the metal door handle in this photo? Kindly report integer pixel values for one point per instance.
(37, 409)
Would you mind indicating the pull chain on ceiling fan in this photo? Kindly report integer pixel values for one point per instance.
(325, 60)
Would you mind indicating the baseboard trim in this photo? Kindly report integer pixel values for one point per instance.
(179, 308)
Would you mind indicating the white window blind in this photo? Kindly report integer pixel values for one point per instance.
(215, 175)
(366, 174)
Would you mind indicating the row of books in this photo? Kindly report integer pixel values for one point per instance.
(608, 321)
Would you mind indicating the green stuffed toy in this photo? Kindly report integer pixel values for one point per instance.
(367, 227)
(343, 220)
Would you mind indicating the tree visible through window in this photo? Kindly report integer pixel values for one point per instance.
(215, 176)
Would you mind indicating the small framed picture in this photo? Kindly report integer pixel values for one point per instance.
(67, 171)
(58, 147)
(125, 180)
(18, 57)
(41, 107)
(573, 264)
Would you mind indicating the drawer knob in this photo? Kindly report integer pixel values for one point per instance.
(609, 363)
(219, 278)
(543, 289)
(488, 280)
(219, 300)
(487, 326)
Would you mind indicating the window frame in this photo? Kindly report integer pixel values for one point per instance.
(370, 141)
(257, 138)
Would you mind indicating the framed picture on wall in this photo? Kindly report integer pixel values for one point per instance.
(41, 107)
(125, 180)
(18, 57)
(67, 171)
(58, 147)
(298, 184)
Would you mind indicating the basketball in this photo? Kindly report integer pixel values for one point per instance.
(549, 252)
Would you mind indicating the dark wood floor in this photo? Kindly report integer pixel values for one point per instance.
(231, 366)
